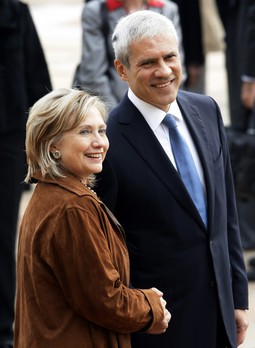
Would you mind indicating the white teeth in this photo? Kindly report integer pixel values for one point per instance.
(163, 85)
(94, 156)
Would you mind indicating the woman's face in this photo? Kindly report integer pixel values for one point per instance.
(83, 149)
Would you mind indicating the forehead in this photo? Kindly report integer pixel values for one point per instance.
(153, 45)
(77, 120)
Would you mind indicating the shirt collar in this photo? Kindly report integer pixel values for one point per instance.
(147, 110)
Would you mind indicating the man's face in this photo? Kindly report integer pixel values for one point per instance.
(155, 73)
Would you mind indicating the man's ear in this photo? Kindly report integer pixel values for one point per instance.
(121, 69)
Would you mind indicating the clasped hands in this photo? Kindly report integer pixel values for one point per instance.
(163, 325)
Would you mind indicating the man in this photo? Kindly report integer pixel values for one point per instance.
(238, 17)
(196, 260)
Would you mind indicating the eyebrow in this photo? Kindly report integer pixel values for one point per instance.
(90, 126)
(148, 59)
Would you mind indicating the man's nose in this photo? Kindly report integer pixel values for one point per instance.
(163, 70)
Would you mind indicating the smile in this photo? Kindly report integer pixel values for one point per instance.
(96, 155)
(162, 85)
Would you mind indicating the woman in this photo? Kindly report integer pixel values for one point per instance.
(73, 265)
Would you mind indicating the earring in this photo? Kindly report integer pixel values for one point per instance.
(57, 154)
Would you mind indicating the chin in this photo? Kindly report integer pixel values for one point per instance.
(98, 169)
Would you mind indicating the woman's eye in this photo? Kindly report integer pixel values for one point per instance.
(88, 131)
(102, 131)
(85, 131)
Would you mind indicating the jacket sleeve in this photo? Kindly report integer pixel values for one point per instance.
(238, 271)
(81, 255)
(92, 71)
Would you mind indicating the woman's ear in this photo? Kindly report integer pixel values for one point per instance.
(55, 152)
(52, 149)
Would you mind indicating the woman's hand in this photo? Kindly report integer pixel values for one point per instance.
(163, 325)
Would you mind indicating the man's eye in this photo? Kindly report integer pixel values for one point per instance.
(171, 57)
(147, 63)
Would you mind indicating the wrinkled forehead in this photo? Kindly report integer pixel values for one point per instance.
(154, 45)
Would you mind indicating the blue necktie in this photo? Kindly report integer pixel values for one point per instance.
(186, 166)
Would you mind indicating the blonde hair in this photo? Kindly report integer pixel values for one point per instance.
(49, 118)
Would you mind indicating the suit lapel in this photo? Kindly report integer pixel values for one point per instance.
(198, 132)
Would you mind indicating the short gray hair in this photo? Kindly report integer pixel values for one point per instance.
(137, 26)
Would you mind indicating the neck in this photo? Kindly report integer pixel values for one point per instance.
(133, 5)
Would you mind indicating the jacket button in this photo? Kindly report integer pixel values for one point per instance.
(212, 284)
(117, 284)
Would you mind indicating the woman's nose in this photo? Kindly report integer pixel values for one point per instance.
(98, 140)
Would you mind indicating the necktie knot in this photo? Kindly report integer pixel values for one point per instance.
(169, 121)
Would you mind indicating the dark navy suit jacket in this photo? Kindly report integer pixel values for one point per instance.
(201, 271)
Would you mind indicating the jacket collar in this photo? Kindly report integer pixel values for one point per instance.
(72, 184)
(69, 182)
(115, 4)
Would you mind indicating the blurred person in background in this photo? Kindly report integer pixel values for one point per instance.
(96, 70)
(192, 39)
(24, 77)
(238, 17)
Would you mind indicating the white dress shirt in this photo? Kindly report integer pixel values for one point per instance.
(154, 117)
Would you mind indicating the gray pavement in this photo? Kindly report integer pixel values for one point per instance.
(58, 24)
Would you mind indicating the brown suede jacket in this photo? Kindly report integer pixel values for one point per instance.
(73, 273)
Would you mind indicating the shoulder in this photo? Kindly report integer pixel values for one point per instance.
(165, 7)
(91, 8)
(200, 104)
(195, 97)
(123, 111)
(170, 5)
(67, 205)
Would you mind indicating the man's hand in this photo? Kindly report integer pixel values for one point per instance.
(241, 325)
(248, 94)
(161, 328)
(194, 72)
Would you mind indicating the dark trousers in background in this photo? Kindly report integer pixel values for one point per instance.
(246, 212)
(11, 175)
